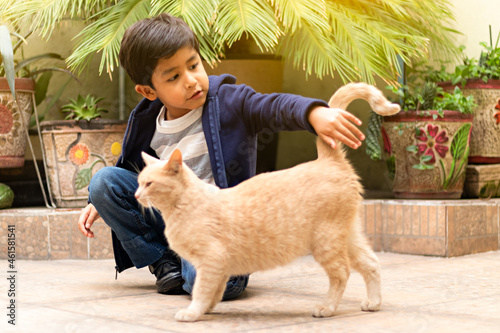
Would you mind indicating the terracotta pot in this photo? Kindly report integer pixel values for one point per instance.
(13, 134)
(75, 151)
(485, 137)
(444, 140)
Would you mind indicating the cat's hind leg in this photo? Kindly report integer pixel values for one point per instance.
(364, 261)
(208, 289)
(336, 264)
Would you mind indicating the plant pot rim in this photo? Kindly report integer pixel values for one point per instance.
(427, 115)
(95, 124)
(21, 83)
(472, 84)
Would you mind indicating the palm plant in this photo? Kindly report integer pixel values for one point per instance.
(354, 39)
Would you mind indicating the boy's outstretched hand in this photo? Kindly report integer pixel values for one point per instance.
(336, 124)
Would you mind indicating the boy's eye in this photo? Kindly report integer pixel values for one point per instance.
(173, 78)
(194, 66)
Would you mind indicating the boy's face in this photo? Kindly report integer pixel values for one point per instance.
(180, 82)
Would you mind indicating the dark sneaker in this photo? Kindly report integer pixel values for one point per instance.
(168, 274)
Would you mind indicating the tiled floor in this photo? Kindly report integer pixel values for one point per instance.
(420, 294)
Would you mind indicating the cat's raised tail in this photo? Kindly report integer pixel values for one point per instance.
(352, 91)
(344, 96)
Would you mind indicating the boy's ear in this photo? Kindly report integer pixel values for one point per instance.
(146, 91)
(174, 164)
(148, 159)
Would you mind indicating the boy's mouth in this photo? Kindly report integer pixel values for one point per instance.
(196, 95)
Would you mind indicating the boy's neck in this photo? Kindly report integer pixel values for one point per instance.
(171, 116)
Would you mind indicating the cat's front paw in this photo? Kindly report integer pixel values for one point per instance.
(369, 305)
(322, 311)
(186, 315)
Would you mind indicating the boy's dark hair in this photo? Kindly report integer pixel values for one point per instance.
(151, 39)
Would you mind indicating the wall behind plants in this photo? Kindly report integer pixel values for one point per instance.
(473, 20)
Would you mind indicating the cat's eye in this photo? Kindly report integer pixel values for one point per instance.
(148, 184)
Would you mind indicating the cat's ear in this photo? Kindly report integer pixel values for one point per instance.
(175, 162)
(148, 159)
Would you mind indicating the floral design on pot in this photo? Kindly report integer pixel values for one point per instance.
(79, 154)
(431, 141)
(497, 113)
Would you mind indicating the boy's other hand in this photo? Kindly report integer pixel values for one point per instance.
(336, 124)
(87, 217)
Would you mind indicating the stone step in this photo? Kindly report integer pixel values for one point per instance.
(445, 228)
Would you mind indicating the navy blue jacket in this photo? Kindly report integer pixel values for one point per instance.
(233, 116)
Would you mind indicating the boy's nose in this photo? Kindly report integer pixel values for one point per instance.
(190, 81)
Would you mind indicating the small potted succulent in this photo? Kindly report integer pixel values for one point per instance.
(426, 145)
(75, 148)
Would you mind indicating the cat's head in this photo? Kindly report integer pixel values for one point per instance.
(160, 182)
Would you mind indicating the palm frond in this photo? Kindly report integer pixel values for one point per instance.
(200, 16)
(312, 51)
(291, 14)
(355, 39)
(46, 14)
(254, 18)
(105, 34)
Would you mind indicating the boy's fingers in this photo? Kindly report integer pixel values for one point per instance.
(352, 118)
(86, 219)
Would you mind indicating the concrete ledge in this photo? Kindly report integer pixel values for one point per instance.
(445, 228)
(43, 233)
(424, 227)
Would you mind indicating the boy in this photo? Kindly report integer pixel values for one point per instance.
(213, 121)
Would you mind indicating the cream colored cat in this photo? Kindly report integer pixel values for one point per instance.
(268, 220)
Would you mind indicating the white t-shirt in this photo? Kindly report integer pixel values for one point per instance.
(186, 134)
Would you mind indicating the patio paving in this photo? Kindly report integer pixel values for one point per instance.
(420, 294)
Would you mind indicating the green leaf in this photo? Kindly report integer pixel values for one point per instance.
(7, 56)
(83, 178)
(459, 144)
(412, 149)
(42, 85)
(21, 65)
(426, 158)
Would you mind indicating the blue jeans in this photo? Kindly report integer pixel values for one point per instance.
(140, 231)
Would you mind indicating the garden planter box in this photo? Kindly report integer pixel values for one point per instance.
(13, 130)
(75, 151)
(482, 181)
(445, 139)
(485, 136)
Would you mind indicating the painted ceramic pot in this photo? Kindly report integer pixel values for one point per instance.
(485, 137)
(427, 154)
(75, 151)
(14, 121)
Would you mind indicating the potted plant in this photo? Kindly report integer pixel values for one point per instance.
(75, 148)
(481, 79)
(427, 143)
(15, 111)
(19, 94)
